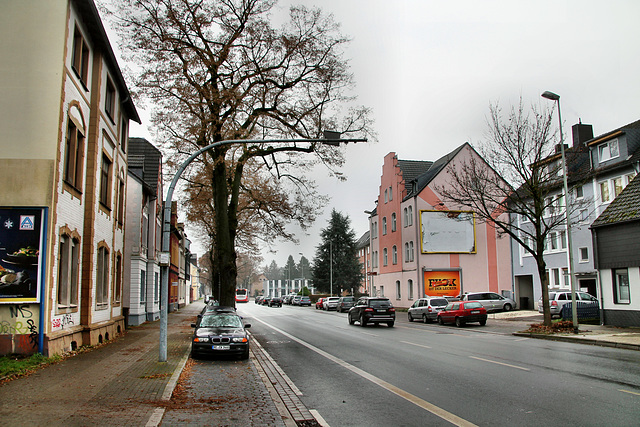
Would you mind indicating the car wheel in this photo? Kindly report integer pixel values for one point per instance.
(425, 319)
(440, 321)
(483, 322)
(351, 321)
(459, 322)
(507, 307)
(409, 317)
(363, 322)
(390, 324)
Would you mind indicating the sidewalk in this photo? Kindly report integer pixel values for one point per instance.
(122, 383)
(602, 335)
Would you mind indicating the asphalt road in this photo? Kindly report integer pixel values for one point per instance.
(416, 374)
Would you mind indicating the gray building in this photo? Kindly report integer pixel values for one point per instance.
(598, 170)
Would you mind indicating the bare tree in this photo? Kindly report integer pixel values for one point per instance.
(218, 70)
(515, 185)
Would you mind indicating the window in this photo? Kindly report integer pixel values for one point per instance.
(410, 215)
(410, 289)
(110, 100)
(604, 192)
(117, 286)
(584, 254)
(563, 239)
(621, 286)
(608, 150)
(398, 292)
(74, 156)
(384, 257)
(384, 226)
(386, 196)
(121, 198)
(80, 57)
(68, 272)
(105, 181)
(408, 252)
(156, 289)
(143, 287)
(565, 277)
(102, 278)
(393, 222)
(390, 193)
(579, 192)
(123, 135)
(394, 254)
(617, 186)
(381, 291)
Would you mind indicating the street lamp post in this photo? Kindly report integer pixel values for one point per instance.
(330, 138)
(574, 309)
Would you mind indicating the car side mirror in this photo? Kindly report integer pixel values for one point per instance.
(247, 326)
(193, 325)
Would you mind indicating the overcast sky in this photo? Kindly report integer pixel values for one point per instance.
(429, 70)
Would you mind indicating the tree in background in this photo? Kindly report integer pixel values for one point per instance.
(336, 266)
(304, 268)
(522, 180)
(219, 70)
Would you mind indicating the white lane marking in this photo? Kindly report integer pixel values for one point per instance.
(500, 363)
(318, 417)
(630, 392)
(435, 410)
(417, 345)
(522, 339)
(369, 333)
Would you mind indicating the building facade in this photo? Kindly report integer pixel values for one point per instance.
(143, 233)
(599, 168)
(421, 246)
(65, 118)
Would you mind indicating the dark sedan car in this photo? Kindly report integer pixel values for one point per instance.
(275, 302)
(345, 303)
(463, 312)
(372, 310)
(220, 333)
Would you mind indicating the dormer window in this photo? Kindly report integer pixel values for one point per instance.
(608, 150)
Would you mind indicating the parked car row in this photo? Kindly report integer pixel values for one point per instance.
(563, 296)
(380, 310)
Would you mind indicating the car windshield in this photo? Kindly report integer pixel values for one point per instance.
(439, 301)
(473, 305)
(379, 303)
(221, 321)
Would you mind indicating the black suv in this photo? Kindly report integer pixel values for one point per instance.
(372, 310)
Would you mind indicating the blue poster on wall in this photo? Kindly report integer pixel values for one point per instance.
(21, 240)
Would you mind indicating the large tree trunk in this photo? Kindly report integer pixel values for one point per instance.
(544, 283)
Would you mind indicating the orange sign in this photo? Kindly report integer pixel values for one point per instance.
(442, 283)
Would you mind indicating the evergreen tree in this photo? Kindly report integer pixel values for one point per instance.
(335, 266)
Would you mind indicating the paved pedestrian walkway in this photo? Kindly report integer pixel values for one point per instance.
(123, 384)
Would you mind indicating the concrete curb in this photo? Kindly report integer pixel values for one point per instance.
(588, 341)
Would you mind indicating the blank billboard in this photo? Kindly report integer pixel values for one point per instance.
(447, 232)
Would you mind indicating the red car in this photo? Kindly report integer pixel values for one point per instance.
(461, 312)
(319, 303)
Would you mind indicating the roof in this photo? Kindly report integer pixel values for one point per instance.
(421, 181)
(363, 241)
(624, 208)
(412, 169)
(144, 161)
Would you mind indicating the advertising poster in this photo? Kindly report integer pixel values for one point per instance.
(442, 283)
(21, 243)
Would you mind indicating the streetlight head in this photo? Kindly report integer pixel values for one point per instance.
(332, 137)
(550, 95)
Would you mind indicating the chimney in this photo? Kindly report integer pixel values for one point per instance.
(581, 133)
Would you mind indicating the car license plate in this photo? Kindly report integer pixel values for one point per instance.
(475, 311)
(381, 311)
(221, 347)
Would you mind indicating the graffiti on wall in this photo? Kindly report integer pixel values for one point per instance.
(20, 319)
(60, 322)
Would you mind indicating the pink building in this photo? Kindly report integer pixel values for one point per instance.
(422, 246)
